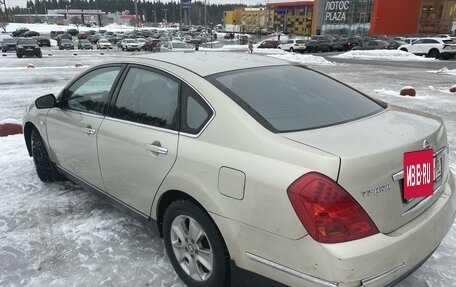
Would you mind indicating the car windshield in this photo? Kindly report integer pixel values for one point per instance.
(300, 41)
(179, 45)
(9, 41)
(293, 98)
(131, 41)
(66, 41)
(103, 41)
(26, 41)
(85, 41)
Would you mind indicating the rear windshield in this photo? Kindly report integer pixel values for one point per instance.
(26, 41)
(293, 98)
(300, 41)
(8, 40)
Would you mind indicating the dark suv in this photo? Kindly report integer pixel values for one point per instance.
(8, 44)
(27, 47)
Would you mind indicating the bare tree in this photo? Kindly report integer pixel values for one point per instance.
(76, 21)
(3, 15)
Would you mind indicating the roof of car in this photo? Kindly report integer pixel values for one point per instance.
(208, 63)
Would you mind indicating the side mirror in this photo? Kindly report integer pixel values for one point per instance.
(45, 102)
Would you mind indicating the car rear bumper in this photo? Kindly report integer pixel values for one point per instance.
(378, 260)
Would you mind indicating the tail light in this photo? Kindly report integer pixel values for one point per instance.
(327, 211)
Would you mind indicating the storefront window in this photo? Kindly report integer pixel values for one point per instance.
(345, 17)
(437, 17)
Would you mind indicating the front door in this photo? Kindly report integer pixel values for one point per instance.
(72, 128)
(138, 140)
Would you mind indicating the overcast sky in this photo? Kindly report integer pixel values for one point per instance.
(245, 2)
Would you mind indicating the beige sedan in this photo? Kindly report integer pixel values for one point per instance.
(255, 171)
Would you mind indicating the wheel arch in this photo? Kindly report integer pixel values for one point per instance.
(28, 127)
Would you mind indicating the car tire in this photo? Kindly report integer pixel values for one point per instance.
(19, 56)
(40, 55)
(183, 219)
(434, 53)
(291, 50)
(44, 167)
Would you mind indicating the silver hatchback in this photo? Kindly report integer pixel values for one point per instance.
(254, 170)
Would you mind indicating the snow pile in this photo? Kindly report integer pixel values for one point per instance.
(47, 28)
(10, 121)
(445, 71)
(304, 59)
(384, 55)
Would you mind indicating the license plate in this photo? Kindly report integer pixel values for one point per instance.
(420, 173)
(29, 50)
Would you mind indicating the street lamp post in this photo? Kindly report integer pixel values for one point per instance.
(166, 17)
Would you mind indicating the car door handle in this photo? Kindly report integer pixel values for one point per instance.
(88, 131)
(156, 148)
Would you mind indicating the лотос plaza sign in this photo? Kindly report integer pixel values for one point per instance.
(336, 10)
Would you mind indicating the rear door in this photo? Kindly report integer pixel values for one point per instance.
(72, 128)
(138, 140)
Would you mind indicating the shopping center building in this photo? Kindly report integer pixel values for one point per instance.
(384, 17)
(356, 17)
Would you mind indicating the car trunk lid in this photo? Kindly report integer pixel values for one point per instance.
(371, 152)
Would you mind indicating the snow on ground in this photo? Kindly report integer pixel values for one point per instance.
(383, 55)
(61, 235)
(303, 59)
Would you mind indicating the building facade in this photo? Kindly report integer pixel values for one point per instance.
(294, 17)
(352, 17)
(384, 17)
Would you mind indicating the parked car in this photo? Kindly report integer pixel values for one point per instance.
(28, 47)
(83, 35)
(354, 42)
(63, 36)
(141, 42)
(9, 44)
(151, 44)
(394, 44)
(292, 45)
(234, 160)
(66, 44)
(175, 46)
(104, 44)
(19, 32)
(85, 44)
(43, 41)
(72, 31)
(54, 34)
(432, 47)
(313, 46)
(268, 44)
(373, 45)
(30, 34)
(129, 45)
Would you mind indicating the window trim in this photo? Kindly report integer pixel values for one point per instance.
(60, 100)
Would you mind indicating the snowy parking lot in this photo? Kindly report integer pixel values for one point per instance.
(61, 235)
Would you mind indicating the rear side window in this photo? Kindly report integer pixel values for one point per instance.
(293, 98)
(195, 111)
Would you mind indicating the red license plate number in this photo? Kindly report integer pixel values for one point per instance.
(418, 174)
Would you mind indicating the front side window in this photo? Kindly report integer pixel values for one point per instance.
(148, 97)
(90, 92)
(292, 98)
